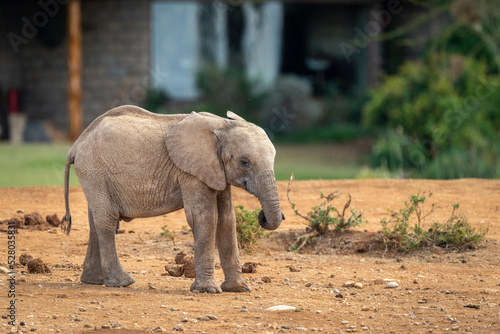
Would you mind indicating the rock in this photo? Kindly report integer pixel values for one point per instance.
(87, 326)
(249, 268)
(339, 295)
(358, 286)
(178, 328)
(293, 269)
(116, 325)
(211, 316)
(179, 257)
(391, 285)
(286, 279)
(301, 328)
(158, 329)
(24, 258)
(365, 308)
(4, 270)
(106, 326)
(286, 326)
(344, 322)
(243, 310)
(188, 262)
(349, 284)
(174, 270)
(36, 266)
(53, 220)
(281, 308)
(266, 279)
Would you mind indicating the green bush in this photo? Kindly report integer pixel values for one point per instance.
(431, 111)
(167, 234)
(405, 230)
(248, 230)
(230, 88)
(324, 218)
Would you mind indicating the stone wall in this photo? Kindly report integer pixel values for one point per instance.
(115, 41)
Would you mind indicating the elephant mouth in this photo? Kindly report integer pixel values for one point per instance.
(263, 221)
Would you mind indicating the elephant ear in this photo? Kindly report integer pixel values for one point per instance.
(193, 146)
(233, 116)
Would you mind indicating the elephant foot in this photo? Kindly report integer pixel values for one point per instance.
(119, 280)
(91, 278)
(207, 286)
(235, 286)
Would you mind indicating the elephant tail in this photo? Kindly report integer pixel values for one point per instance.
(66, 221)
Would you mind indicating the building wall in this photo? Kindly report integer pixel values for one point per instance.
(115, 41)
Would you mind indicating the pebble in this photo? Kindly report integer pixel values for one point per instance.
(243, 310)
(339, 295)
(365, 308)
(173, 309)
(301, 328)
(286, 279)
(358, 286)
(391, 285)
(411, 315)
(178, 328)
(344, 322)
(281, 308)
(349, 284)
(159, 329)
(335, 290)
(105, 327)
(211, 316)
(286, 326)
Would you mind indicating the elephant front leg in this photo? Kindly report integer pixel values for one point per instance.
(228, 245)
(201, 214)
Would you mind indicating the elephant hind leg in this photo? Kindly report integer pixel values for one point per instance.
(112, 272)
(92, 272)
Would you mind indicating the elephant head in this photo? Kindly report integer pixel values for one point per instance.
(222, 152)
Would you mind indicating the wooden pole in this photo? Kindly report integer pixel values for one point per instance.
(74, 69)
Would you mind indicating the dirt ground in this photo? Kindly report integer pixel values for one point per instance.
(439, 290)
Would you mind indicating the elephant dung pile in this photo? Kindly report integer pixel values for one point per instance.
(34, 265)
(33, 221)
(184, 265)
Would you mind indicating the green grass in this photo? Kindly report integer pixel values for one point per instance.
(33, 165)
(318, 161)
(43, 164)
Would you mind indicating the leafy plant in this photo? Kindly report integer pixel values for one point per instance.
(248, 230)
(325, 218)
(167, 234)
(405, 230)
(432, 110)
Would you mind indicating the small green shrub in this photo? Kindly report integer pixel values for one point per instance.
(248, 230)
(325, 218)
(405, 230)
(167, 234)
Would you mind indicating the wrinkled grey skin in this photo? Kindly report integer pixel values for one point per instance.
(132, 164)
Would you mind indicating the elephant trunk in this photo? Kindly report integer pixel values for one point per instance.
(271, 216)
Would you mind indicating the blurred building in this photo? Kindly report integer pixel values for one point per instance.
(131, 46)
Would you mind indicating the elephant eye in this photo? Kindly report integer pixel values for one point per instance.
(244, 162)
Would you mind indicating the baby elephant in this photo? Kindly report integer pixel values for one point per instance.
(132, 164)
